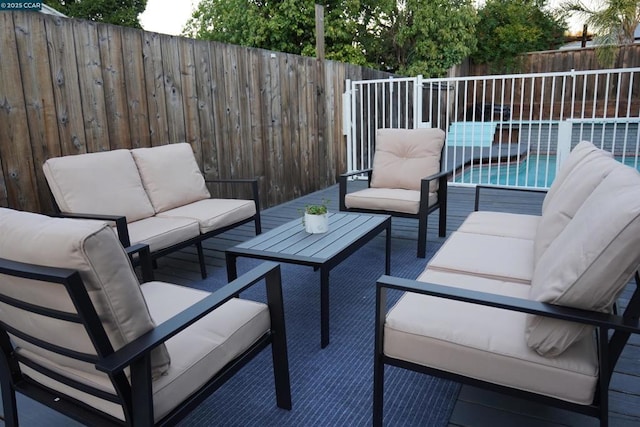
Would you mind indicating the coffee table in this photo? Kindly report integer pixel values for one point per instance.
(290, 243)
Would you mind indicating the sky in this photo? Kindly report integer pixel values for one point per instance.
(169, 16)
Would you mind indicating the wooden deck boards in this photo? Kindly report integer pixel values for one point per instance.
(474, 407)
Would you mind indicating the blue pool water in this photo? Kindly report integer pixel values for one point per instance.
(533, 171)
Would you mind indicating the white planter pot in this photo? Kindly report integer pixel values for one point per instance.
(316, 223)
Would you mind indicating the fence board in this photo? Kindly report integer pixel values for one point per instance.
(15, 148)
(115, 91)
(256, 89)
(91, 85)
(136, 94)
(286, 138)
(64, 71)
(277, 189)
(154, 84)
(173, 88)
(205, 108)
(190, 96)
(245, 161)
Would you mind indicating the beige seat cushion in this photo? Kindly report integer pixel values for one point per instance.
(200, 351)
(92, 249)
(497, 257)
(485, 343)
(160, 233)
(212, 214)
(590, 261)
(576, 156)
(98, 183)
(170, 175)
(387, 199)
(503, 224)
(404, 156)
(578, 184)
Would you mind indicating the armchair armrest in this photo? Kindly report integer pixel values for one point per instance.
(342, 181)
(479, 187)
(121, 223)
(138, 351)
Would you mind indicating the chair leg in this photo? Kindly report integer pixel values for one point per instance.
(9, 404)
(203, 266)
(422, 237)
(378, 391)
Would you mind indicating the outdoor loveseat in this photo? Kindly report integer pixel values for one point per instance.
(80, 334)
(522, 303)
(155, 196)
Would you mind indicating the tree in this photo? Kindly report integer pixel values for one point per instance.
(283, 26)
(118, 12)
(613, 23)
(422, 36)
(407, 36)
(508, 28)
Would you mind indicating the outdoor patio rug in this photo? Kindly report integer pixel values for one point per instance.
(331, 386)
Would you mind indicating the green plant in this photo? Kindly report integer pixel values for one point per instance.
(317, 209)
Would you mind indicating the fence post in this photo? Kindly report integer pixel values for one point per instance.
(565, 129)
(347, 125)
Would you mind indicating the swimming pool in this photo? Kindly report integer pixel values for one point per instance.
(534, 171)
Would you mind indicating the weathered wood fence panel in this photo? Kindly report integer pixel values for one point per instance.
(71, 86)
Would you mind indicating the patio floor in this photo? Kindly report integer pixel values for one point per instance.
(474, 407)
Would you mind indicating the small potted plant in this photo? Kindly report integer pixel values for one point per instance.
(316, 219)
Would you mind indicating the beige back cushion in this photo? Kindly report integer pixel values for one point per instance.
(590, 261)
(577, 185)
(404, 156)
(576, 156)
(92, 249)
(170, 175)
(98, 183)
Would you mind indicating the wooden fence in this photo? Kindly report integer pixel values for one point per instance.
(560, 60)
(71, 86)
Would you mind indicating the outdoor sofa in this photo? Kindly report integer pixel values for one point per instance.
(155, 196)
(522, 303)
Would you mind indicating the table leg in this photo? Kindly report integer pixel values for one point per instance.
(324, 307)
(232, 271)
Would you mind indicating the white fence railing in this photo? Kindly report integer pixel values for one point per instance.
(509, 129)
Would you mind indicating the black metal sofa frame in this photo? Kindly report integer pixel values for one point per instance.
(613, 332)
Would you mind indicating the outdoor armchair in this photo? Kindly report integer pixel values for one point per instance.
(80, 334)
(406, 180)
(155, 196)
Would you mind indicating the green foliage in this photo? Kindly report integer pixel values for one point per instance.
(613, 23)
(319, 209)
(283, 26)
(508, 28)
(408, 37)
(423, 37)
(118, 12)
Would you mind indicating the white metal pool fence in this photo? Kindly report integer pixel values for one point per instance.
(494, 123)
